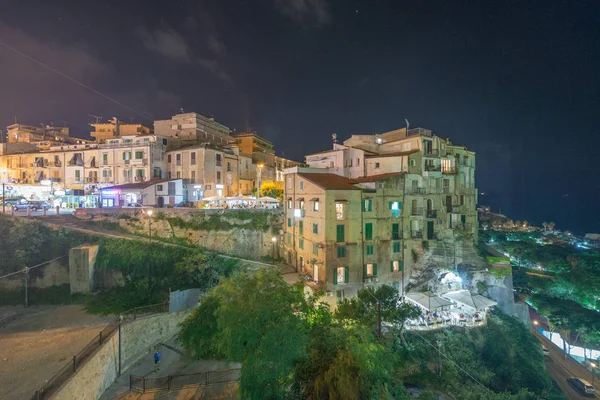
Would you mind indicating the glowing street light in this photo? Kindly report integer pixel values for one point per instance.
(274, 240)
(149, 212)
(593, 365)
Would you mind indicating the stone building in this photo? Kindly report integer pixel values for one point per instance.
(194, 128)
(114, 129)
(406, 197)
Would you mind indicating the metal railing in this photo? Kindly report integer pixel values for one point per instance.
(142, 384)
(52, 385)
(417, 212)
(431, 152)
(431, 213)
(416, 234)
(430, 167)
(449, 170)
(416, 190)
(396, 235)
(145, 310)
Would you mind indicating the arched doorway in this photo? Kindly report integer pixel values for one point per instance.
(429, 205)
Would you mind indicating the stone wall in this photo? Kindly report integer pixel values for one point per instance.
(54, 274)
(232, 232)
(82, 262)
(138, 337)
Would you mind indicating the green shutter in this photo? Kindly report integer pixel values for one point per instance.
(289, 222)
(369, 231)
(335, 276)
(300, 227)
(123, 155)
(364, 270)
(339, 233)
(346, 275)
(463, 218)
(392, 266)
(364, 206)
(374, 269)
(400, 265)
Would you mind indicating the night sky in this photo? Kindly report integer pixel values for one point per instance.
(515, 81)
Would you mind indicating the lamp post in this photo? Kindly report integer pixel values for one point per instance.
(593, 365)
(258, 178)
(150, 225)
(274, 240)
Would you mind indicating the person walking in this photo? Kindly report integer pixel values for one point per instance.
(157, 360)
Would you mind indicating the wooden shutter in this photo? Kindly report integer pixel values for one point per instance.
(346, 274)
(335, 276)
(374, 269)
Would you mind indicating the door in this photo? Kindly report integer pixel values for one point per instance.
(316, 272)
(430, 230)
(449, 204)
(160, 201)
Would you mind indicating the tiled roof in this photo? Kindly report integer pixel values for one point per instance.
(140, 185)
(375, 178)
(398, 153)
(329, 181)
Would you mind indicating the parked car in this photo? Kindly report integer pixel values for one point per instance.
(545, 351)
(33, 205)
(135, 205)
(582, 386)
(12, 201)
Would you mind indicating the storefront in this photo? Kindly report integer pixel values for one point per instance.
(152, 193)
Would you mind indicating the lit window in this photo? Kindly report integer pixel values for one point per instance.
(370, 269)
(395, 266)
(341, 275)
(316, 206)
(301, 185)
(367, 205)
(289, 204)
(339, 210)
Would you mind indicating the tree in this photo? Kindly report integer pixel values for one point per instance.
(272, 190)
(551, 226)
(545, 225)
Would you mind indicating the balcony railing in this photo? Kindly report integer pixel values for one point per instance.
(454, 209)
(433, 168)
(431, 213)
(416, 190)
(416, 234)
(431, 152)
(396, 235)
(91, 179)
(417, 212)
(78, 163)
(56, 164)
(449, 170)
(139, 179)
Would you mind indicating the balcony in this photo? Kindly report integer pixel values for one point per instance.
(450, 170)
(126, 161)
(454, 209)
(91, 179)
(143, 161)
(431, 152)
(140, 179)
(416, 234)
(416, 190)
(417, 212)
(433, 168)
(56, 164)
(464, 227)
(431, 213)
(396, 235)
(77, 163)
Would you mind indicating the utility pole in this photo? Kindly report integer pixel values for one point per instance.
(439, 359)
(26, 271)
(3, 197)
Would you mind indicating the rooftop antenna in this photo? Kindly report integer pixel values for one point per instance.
(98, 119)
(407, 125)
(64, 123)
(181, 110)
(334, 138)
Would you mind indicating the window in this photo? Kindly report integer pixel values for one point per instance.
(370, 270)
(396, 247)
(395, 207)
(178, 159)
(341, 251)
(358, 162)
(370, 249)
(301, 243)
(139, 172)
(77, 175)
(178, 174)
(289, 238)
(169, 158)
(289, 222)
(300, 228)
(316, 205)
(367, 205)
(395, 231)
(462, 200)
(301, 185)
(139, 155)
(105, 159)
(301, 202)
(316, 249)
(395, 265)
(159, 188)
(340, 275)
(171, 188)
(339, 233)
(376, 165)
(164, 142)
(105, 173)
(339, 210)
(228, 166)
(193, 158)
(289, 204)
(193, 175)
(369, 231)
(218, 176)
(316, 229)
(412, 163)
(219, 160)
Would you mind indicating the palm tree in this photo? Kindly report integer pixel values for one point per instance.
(525, 224)
(551, 226)
(545, 225)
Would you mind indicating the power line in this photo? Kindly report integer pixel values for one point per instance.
(439, 350)
(26, 269)
(147, 116)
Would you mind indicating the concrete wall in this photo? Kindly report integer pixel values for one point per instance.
(54, 274)
(82, 260)
(137, 338)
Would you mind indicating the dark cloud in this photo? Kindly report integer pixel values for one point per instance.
(306, 13)
(215, 68)
(165, 42)
(215, 45)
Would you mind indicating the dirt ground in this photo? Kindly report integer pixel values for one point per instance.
(36, 342)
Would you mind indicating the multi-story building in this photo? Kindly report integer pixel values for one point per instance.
(42, 136)
(115, 129)
(75, 172)
(209, 170)
(194, 128)
(360, 208)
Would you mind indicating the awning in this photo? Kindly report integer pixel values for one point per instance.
(268, 199)
(315, 199)
(427, 301)
(289, 198)
(300, 199)
(342, 201)
(466, 298)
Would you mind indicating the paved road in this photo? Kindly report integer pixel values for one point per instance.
(560, 369)
(39, 213)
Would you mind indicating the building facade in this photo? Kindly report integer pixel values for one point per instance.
(42, 136)
(194, 128)
(383, 196)
(115, 129)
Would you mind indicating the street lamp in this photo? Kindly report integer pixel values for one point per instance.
(150, 224)
(535, 322)
(258, 178)
(274, 240)
(593, 372)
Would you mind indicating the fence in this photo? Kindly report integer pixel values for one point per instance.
(144, 385)
(69, 370)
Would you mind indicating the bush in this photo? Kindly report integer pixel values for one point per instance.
(36, 296)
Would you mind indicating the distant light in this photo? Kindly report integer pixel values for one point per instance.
(379, 140)
(535, 322)
(149, 212)
(274, 239)
(593, 365)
